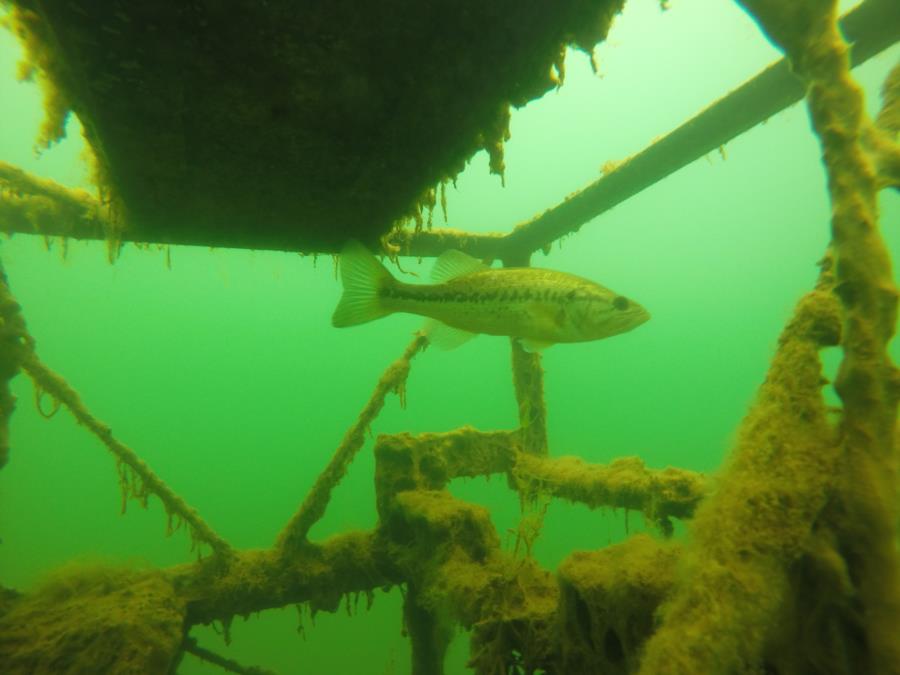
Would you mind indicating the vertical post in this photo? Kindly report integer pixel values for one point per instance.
(528, 380)
(429, 635)
(14, 343)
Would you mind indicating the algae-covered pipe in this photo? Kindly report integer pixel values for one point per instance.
(14, 345)
(871, 27)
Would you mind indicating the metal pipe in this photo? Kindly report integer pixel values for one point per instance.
(871, 27)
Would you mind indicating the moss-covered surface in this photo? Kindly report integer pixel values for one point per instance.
(609, 598)
(277, 125)
(759, 521)
(860, 530)
(37, 206)
(793, 564)
(94, 620)
(319, 575)
(14, 345)
(450, 552)
(792, 567)
(624, 483)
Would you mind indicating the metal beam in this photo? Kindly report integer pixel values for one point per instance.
(872, 27)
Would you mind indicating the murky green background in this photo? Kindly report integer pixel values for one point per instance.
(226, 376)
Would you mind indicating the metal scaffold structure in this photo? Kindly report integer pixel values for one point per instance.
(791, 559)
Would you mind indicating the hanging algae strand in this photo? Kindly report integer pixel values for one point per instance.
(135, 478)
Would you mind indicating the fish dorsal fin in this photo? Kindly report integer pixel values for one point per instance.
(443, 336)
(452, 263)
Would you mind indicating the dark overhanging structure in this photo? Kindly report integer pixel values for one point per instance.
(792, 561)
(870, 28)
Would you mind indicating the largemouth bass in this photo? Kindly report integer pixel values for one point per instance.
(539, 307)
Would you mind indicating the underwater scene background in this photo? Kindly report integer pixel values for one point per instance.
(221, 368)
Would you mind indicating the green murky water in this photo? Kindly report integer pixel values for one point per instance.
(225, 374)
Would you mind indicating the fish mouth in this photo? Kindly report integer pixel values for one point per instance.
(639, 315)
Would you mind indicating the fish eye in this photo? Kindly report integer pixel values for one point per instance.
(620, 302)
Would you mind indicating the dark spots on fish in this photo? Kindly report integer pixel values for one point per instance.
(620, 302)
(396, 293)
(561, 317)
(570, 296)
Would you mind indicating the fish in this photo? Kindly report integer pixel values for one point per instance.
(538, 307)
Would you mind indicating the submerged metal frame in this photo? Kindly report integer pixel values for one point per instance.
(447, 552)
(871, 27)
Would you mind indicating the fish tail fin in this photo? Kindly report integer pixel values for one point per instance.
(363, 278)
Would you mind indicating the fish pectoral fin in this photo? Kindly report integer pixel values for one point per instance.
(534, 346)
(550, 316)
(452, 263)
(443, 336)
